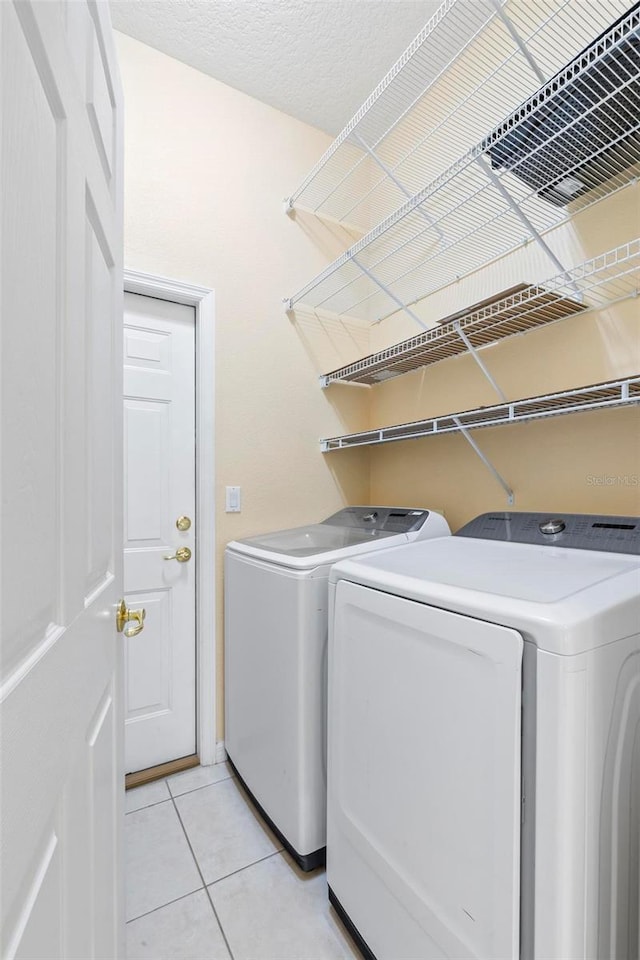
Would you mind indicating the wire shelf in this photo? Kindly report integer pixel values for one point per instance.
(474, 61)
(609, 278)
(575, 141)
(616, 393)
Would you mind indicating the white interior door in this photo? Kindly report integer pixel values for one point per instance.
(159, 480)
(61, 514)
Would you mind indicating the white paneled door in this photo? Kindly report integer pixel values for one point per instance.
(61, 511)
(159, 523)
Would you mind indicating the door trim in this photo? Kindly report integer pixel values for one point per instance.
(202, 299)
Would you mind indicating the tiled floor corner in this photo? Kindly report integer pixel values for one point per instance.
(207, 880)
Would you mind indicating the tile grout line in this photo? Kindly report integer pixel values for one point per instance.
(276, 853)
(203, 786)
(195, 860)
(156, 803)
(168, 904)
(171, 796)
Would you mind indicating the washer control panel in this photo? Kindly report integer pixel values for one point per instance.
(579, 531)
(387, 519)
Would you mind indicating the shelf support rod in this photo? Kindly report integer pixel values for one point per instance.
(503, 483)
(478, 359)
(401, 187)
(504, 193)
(519, 42)
(389, 293)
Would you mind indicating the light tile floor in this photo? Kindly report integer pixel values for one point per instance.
(207, 880)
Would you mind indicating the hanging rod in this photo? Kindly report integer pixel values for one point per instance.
(603, 280)
(616, 393)
(474, 61)
(574, 142)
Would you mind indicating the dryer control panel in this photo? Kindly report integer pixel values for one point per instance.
(383, 519)
(580, 531)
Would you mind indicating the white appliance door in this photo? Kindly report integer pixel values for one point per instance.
(61, 514)
(159, 484)
(424, 777)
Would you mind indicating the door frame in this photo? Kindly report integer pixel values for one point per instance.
(202, 299)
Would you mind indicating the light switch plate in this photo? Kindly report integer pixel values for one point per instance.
(233, 499)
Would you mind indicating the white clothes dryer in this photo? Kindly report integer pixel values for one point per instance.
(484, 742)
(276, 588)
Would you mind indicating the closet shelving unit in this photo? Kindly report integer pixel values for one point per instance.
(595, 284)
(575, 140)
(473, 186)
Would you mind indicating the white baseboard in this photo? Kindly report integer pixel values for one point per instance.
(221, 753)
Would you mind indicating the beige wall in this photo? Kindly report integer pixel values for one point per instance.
(206, 171)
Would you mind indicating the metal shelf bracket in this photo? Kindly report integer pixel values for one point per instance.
(478, 359)
(517, 39)
(401, 187)
(503, 483)
(519, 212)
(388, 292)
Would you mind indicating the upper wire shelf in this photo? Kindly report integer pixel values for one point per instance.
(609, 278)
(474, 61)
(575, 141)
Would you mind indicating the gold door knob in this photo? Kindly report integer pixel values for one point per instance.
(129, 622)
(183, 523)
(182, 555)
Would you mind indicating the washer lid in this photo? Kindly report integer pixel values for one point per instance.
(350, 531)
(565, 600)
(314, 539)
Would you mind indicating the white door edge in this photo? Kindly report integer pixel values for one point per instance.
(202, 299)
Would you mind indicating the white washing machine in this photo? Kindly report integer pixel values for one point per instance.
(275, 660)
(484, 742)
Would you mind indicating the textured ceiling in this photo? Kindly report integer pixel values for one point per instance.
(315, 59)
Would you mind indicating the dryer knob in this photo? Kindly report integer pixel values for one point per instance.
(549, 527)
